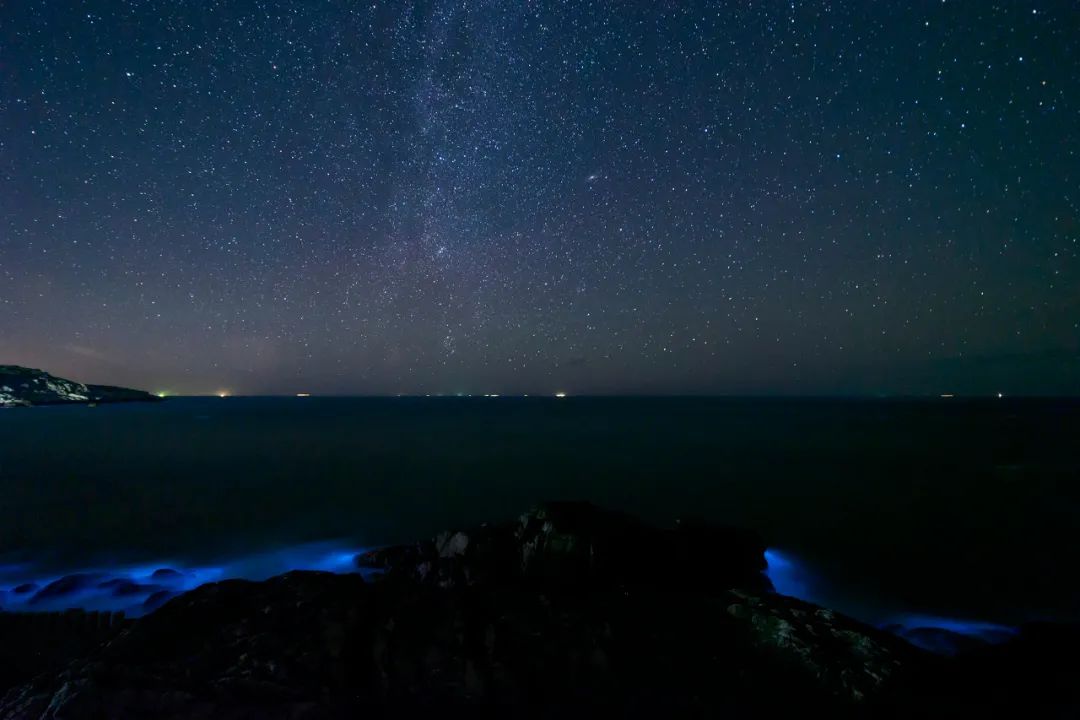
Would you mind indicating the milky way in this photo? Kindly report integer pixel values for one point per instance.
(426, 197)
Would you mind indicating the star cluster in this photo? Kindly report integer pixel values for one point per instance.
(481, 196)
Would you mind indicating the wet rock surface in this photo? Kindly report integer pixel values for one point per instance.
(549, 616)
(24, 387)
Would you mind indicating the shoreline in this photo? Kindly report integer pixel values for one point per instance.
(593, 569)
(133, 591)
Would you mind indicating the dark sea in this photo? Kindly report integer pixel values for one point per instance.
(953, 508)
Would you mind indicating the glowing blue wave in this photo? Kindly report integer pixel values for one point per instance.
(789, 576)
(138, 589)
(937, 634)
(946, 635)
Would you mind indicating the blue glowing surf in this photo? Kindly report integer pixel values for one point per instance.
(943, 635)
(138, 589)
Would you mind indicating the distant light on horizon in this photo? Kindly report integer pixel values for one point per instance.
(303, 394)
(560, 394)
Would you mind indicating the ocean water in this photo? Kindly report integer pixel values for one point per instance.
(966, 510)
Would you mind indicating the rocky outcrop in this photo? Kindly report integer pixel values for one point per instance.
(43, 642)
(578, 545)
(547, 617)
(23, 387)
(570, 610)
(319, 645)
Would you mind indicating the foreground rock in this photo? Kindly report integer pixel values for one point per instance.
(579, 546)
(23, 387)
(547, 617)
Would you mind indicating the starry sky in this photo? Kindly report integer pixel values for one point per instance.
(487, 196)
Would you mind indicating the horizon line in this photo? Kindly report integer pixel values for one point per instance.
(628, 395)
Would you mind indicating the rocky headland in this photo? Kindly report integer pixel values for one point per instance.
(25, 387)
(570, 611)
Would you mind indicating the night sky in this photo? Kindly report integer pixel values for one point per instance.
(506, 197)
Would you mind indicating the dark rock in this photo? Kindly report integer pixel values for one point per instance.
(157, 599)
(24, 588)
(570, 612)
(855, 661)
(35, 643)
(166, 574)
(574, 544)
(334, 644)
(396, 556)
(578, 542)
(113, 394)
(21, 386)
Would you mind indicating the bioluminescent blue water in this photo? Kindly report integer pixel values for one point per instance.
(938, 634)
(978, 628)
(789, 576)
(138, 589)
